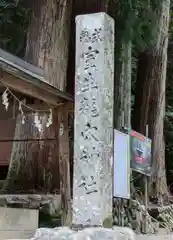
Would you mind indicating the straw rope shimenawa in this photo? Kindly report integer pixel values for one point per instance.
(21, 103)
(39, 121)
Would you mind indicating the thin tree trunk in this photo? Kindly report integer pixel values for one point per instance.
(123, 87)
(150, 98)
(119, 91)
(123, 67)
(127, 48)
(64, 161)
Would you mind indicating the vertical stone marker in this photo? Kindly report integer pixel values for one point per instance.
(93, 137)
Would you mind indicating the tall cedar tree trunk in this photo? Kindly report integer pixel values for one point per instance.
(23, 162)
(122, 94)
(122, 98)
(26, 174)
(53, 41)
(150, 98)
(48, 39)
(123, 53)
(47, 47)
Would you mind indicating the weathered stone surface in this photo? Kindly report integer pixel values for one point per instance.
(117, 233)
(16, 235)
(93, 136)
(17, 223)
(18, 219)
(48, 204)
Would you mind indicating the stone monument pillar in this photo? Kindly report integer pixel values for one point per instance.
(93, 134)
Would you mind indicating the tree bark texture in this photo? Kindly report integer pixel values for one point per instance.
(122, 97)
(150, 98)
(49, 33)
(34, 165)
(64, 163)
(48, 178)
(122, 91)
(33, 45)
(123, 52)
(54, 28)
(47, 47)
(23, 164)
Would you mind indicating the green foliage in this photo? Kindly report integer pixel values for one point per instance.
(13, 25)
(171, 23)
(135, 21)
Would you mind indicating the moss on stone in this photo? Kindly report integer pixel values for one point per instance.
(108, 222)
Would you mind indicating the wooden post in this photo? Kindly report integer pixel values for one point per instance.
(93, 134)
(64, 163)
(146, 200)
(146, 190)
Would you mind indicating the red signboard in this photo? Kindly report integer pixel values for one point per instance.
(140, 147)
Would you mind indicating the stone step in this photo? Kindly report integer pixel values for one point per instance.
(23, 234)
(17, 223)
(154, 237)
(162, 234)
